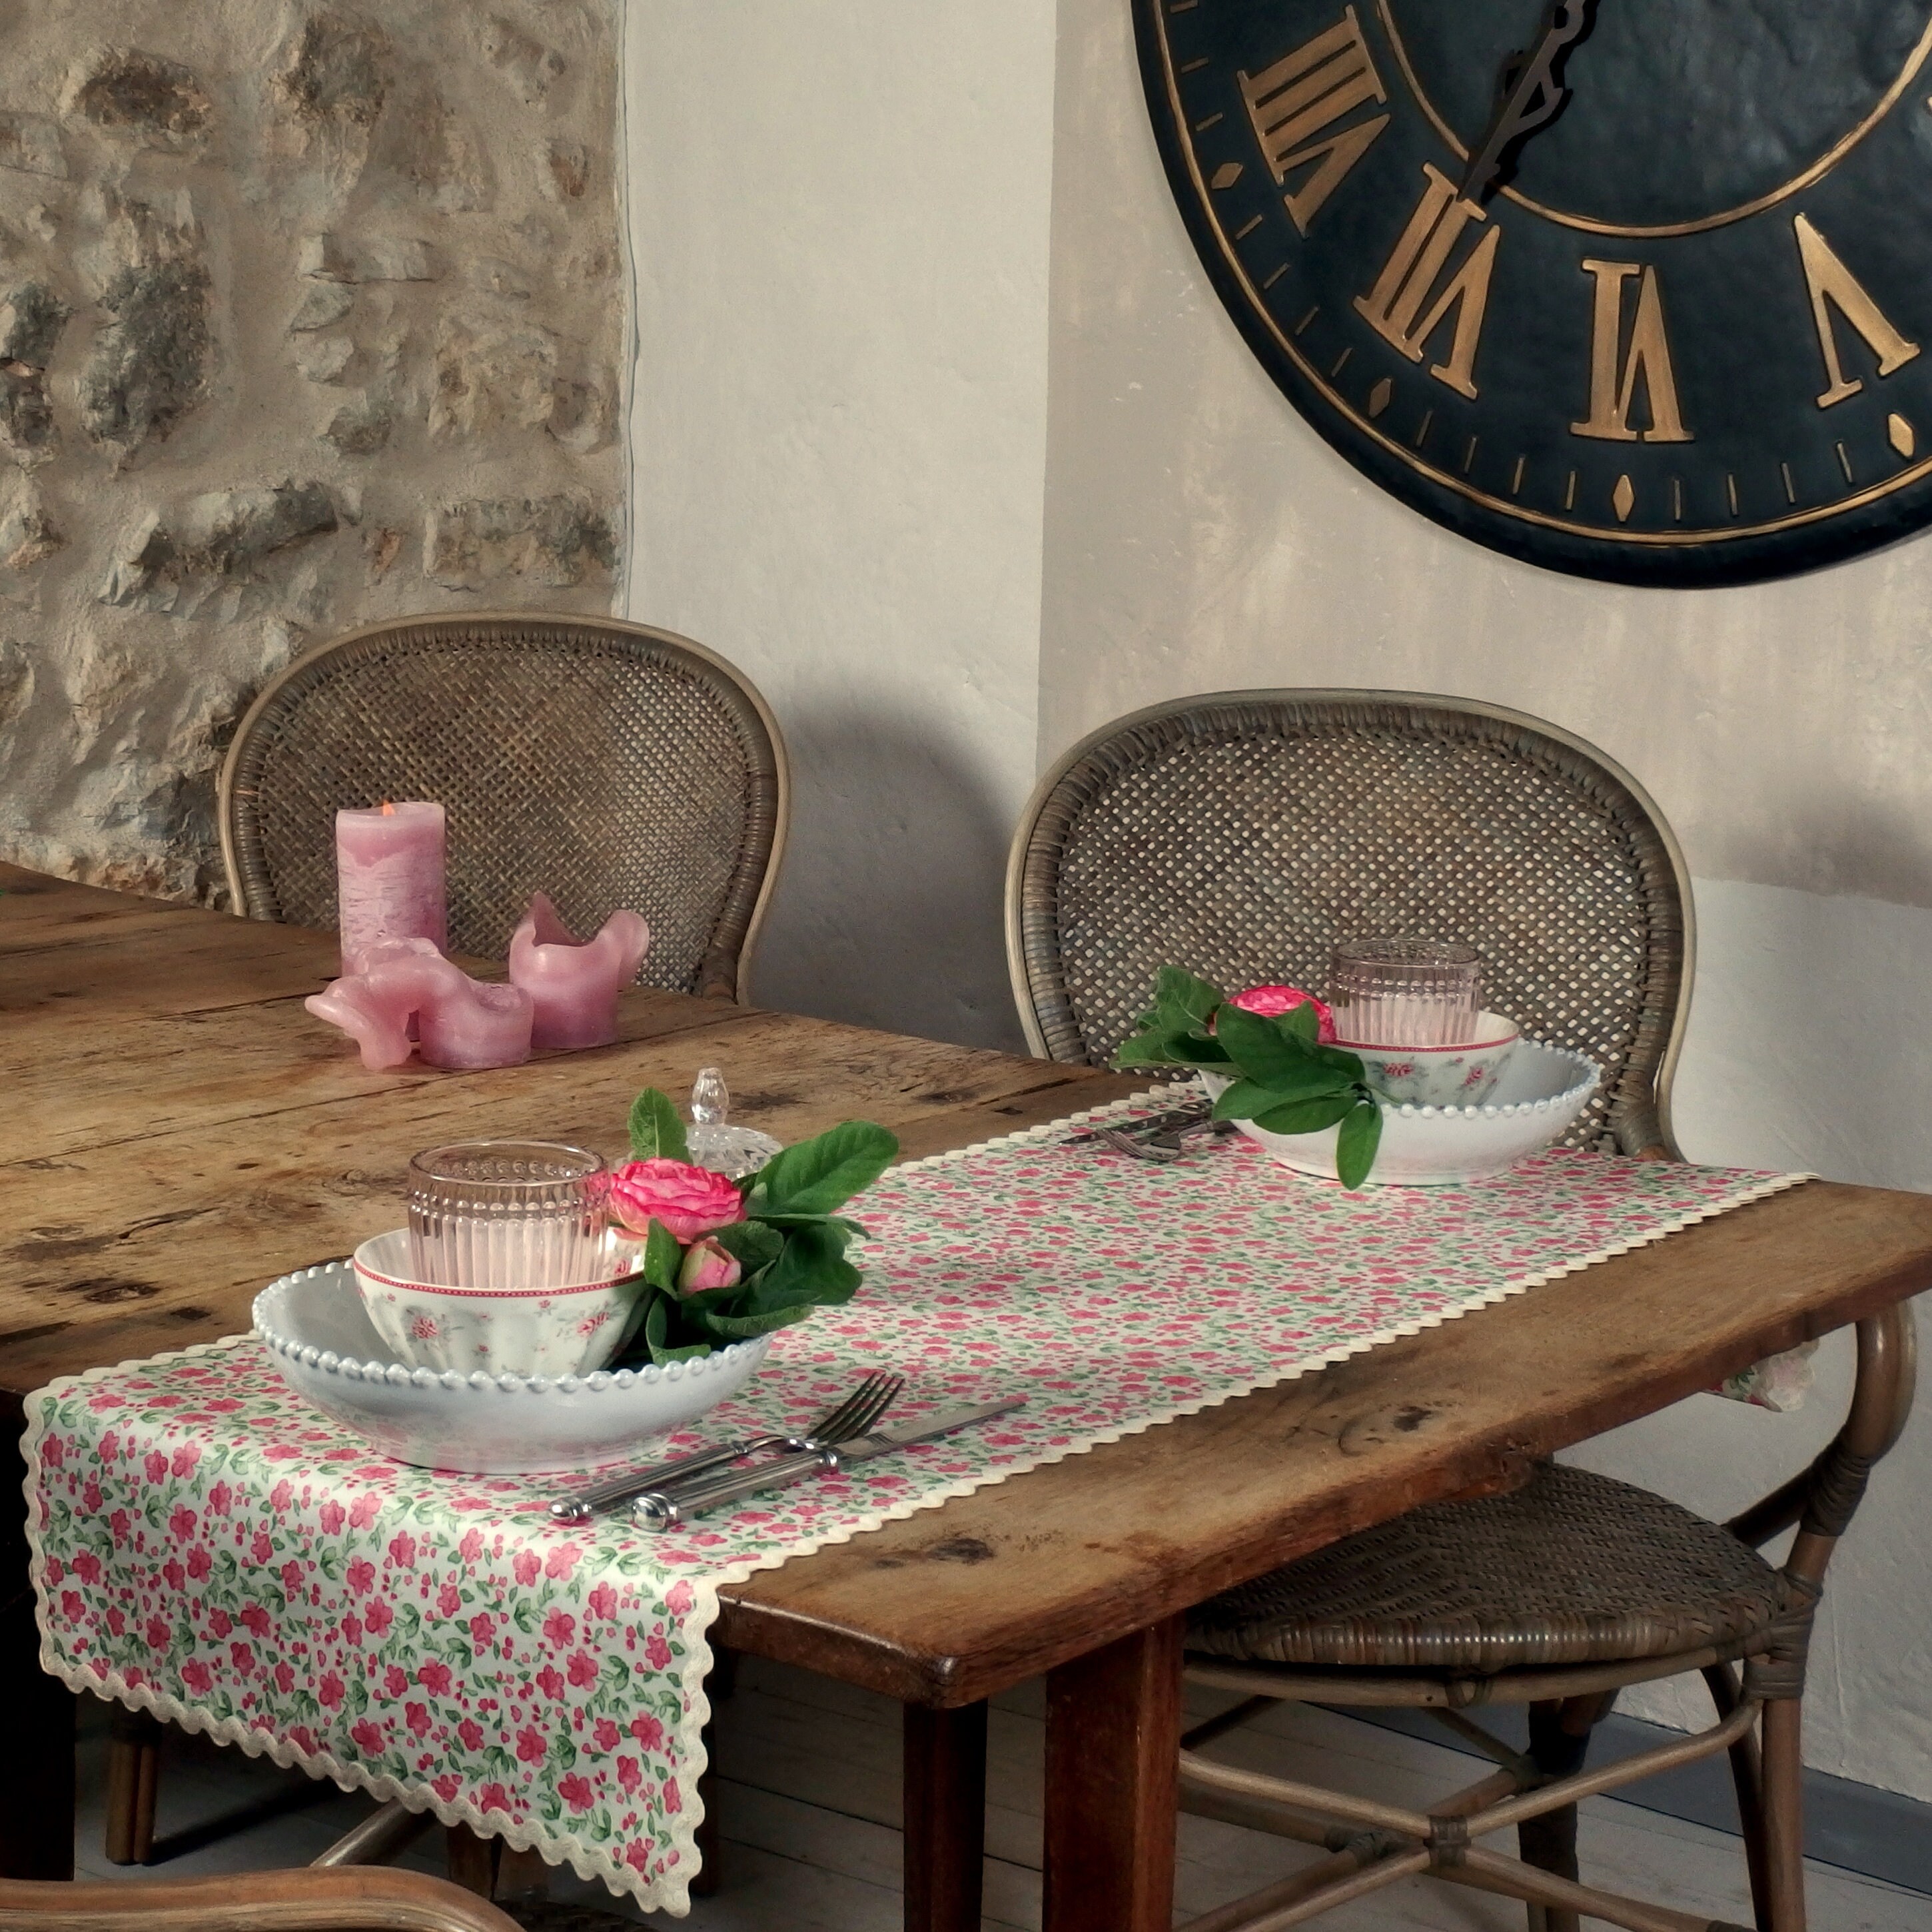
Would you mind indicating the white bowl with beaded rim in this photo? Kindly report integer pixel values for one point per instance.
(319, 1337)
(1535, 1103)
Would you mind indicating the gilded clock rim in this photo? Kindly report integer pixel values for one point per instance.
(1702, 538)
(1704, 224)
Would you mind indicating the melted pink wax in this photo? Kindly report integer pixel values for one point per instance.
(573, 985)
(460, 1022)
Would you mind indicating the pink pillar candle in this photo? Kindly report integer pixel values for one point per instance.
(574, 987)
(390, 877)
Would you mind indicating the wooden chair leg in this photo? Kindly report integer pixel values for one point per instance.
(133, 1774)
(1783, 1770)
(1747, 1775)
(1559, 1739)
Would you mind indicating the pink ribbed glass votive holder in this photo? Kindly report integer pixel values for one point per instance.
(508, 1216)
(1405, 992)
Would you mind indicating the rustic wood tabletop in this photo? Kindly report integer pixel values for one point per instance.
(177, 1131)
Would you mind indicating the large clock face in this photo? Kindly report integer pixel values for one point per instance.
(1670, 332)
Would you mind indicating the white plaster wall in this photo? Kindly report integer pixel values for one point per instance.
(1200, 537)
(840, 218)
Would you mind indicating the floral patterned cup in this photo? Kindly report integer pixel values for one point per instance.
(1440, 1076)
(570, 1330)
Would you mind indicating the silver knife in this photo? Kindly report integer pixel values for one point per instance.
(657, 1510)
(582, 1505)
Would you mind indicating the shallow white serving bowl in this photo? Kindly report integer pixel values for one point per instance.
(320, 1337)
(1539, 1096)
(1442, 1076)
(551, 1331)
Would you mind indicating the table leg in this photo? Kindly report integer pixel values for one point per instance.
(36, 1773)
(945, 1817)
(1113, 1750)
(472, 1859)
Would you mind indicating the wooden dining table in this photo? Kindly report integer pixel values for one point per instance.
(176, 1130)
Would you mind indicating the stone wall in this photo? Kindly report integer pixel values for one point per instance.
(308, 316)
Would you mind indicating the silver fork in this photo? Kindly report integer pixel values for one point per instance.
(841, 1423)
(1142, 1150)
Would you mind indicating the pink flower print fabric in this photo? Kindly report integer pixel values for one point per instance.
(207, 1546)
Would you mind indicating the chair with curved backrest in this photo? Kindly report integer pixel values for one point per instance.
(1239, 835)
(605, 763)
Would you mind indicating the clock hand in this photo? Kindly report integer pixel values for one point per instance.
(1530, 94)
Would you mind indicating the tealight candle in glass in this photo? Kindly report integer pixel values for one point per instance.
(509, 1215)
(1405, 992)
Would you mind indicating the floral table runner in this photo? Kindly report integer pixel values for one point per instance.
(208, 1547)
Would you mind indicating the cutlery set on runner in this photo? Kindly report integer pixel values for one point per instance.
(666, 1494)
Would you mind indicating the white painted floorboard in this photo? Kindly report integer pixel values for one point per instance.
(808, 1788)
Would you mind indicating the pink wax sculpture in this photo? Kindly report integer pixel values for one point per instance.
(574, 986)
(390, 879)
(460, 1022)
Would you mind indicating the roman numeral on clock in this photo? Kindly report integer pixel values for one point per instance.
(1833, 285)
(1405, 308)
(1614, 373)
(1295, 104)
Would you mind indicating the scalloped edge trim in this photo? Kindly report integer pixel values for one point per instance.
(671, 1893)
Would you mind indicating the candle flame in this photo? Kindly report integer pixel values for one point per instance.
(389, 810)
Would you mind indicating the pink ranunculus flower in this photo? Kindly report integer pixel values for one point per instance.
(706, 1265)
(1271, 1002)
(689, 1201)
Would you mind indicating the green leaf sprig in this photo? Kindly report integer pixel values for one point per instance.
(790, 1247)
(1284, 1080)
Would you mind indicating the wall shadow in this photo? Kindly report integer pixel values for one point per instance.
(888, 909)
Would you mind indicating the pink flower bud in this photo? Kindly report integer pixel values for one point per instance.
(706, 1265)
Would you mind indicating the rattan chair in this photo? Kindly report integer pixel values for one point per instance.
(605, 763)
(1238, 835)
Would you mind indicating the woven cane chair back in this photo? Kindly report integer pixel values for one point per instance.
(1240, 834)
(605, 763)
